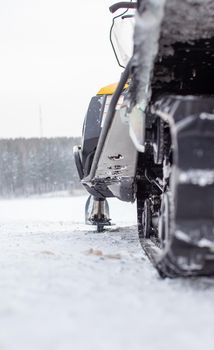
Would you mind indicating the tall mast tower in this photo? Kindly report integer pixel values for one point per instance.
(40, 122)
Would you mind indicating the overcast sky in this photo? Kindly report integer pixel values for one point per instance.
(54, 54)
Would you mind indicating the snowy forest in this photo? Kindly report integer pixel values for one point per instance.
(37, 166)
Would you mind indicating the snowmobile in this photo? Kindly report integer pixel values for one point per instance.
(156, 146)
(97, 208)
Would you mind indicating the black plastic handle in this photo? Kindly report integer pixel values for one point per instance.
(122, 4)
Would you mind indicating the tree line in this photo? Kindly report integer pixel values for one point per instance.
(37, 165)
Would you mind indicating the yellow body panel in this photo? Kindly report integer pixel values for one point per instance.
(109, 89)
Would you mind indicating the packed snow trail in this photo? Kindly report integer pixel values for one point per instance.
(63, 286)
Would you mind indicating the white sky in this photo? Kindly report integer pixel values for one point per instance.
(53, 53)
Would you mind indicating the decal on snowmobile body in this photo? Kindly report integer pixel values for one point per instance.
(110, 89)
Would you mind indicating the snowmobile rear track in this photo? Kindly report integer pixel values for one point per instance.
(188, 249)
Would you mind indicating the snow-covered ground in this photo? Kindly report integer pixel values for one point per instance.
(63, 286)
